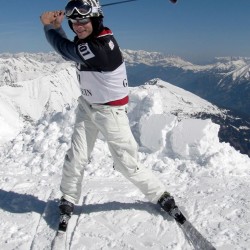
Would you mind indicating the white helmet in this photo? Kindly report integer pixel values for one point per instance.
(80, 9)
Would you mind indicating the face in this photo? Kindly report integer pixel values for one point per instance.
(83, 30)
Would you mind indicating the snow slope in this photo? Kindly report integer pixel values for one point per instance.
(209, 179)
(30, 99)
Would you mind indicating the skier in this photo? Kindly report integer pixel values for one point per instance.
(101, 107)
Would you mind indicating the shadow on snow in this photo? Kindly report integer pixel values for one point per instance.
(24, 203)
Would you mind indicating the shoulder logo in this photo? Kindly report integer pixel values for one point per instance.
(111, 45)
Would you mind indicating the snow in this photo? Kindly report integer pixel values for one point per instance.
(30, 99)
(10, 122)
(209, 179)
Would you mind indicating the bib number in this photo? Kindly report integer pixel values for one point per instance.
(85, 51)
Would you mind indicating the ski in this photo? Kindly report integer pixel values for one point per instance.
(59, 242)
(60, 239)
(198, 241)
(195, 237)
(67, 225)
(44, 233)
(167, 203)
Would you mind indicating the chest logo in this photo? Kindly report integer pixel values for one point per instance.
(85, 51)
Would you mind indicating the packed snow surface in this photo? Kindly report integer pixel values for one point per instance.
(209, 179)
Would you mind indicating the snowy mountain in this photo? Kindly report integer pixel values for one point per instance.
(209, 178)
(27, 66)
(41, 80)
(225, 82)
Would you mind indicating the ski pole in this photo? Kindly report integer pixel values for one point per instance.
(108, 4)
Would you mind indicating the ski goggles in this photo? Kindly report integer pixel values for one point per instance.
(82, 8)
(80, 21)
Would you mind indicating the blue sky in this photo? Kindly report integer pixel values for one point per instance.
(197, 30)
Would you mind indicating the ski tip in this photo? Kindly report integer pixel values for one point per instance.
(60, 233)
(59, 241)
(173, 1)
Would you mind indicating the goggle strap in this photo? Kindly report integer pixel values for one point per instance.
(95, 9)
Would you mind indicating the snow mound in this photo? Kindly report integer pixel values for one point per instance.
(189, 139)
(194, 139)
(154, 130)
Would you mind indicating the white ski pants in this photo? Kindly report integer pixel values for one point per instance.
(113, 123)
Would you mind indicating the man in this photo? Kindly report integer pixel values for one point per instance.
(101, 107)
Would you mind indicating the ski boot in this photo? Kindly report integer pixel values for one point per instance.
(168, 204)
(66, 210)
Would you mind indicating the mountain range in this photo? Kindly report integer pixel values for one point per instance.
(33, 84)
(224, 82)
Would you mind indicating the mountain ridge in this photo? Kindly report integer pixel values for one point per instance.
(53, 74)
(224, 82)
